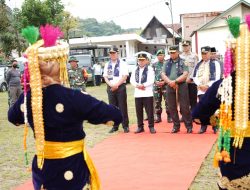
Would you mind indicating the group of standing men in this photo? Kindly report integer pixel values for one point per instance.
(178, 80)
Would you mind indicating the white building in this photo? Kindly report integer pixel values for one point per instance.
(127, 43)
(215, 32)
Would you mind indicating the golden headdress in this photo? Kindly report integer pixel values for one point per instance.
(237, 57)
(48, 49)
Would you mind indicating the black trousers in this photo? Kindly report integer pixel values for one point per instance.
(183, 99)
(118, 98)
(146, 102)
(97, 80)
(192, 92)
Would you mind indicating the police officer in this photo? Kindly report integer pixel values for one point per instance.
(160, 87)
(190, 60)
(174, 73)
(77, 76)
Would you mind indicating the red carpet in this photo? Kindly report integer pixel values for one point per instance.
(147, 161)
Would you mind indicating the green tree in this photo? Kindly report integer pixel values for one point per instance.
(68, 23)
(34, 12)
(16, 26)
(37, 12)
(55, 11)
(6, 37)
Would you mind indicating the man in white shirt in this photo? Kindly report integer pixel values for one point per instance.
(206, 72)
(142, 78)
(98, 73)
(115, 74)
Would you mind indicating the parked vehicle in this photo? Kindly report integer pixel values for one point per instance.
(3, 83)
(132, 63)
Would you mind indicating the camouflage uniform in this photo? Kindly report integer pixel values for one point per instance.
(159, 92)
(76, 79)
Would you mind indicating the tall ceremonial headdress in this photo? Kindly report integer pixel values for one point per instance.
(48, 49)
(237, 57)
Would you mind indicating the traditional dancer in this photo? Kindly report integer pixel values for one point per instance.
(55, 114)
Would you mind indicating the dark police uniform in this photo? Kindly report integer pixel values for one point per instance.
(239, 167)
(64, 111)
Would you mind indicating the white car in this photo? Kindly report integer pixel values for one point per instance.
(132, 63)
(3, 83)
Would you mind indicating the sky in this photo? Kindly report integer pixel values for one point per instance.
(137, 13)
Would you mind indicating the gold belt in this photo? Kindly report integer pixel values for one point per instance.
(59, 150)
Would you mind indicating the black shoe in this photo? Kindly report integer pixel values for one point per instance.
(114, 129)
(126, 130)
(203, 129)
(189, 130)
(175, 130)
(139, 130)
(158, 120)
(215, 129)
(152, 130)
(170, 119)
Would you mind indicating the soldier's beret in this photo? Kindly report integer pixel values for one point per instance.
(173, 48)
(73, 59)
(160, 51)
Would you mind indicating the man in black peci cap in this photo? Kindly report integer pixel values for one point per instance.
(206, 72)
(115, 74)
(174, 73)
(214, 56)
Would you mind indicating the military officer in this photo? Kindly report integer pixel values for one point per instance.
(160, 87)
(174, 73)
(77, 76)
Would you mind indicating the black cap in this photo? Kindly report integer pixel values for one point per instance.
(142, 56)
(186, 43)
(205, 49)
(160, 51)
(114, 49)
(173, 49)
(213, 49)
